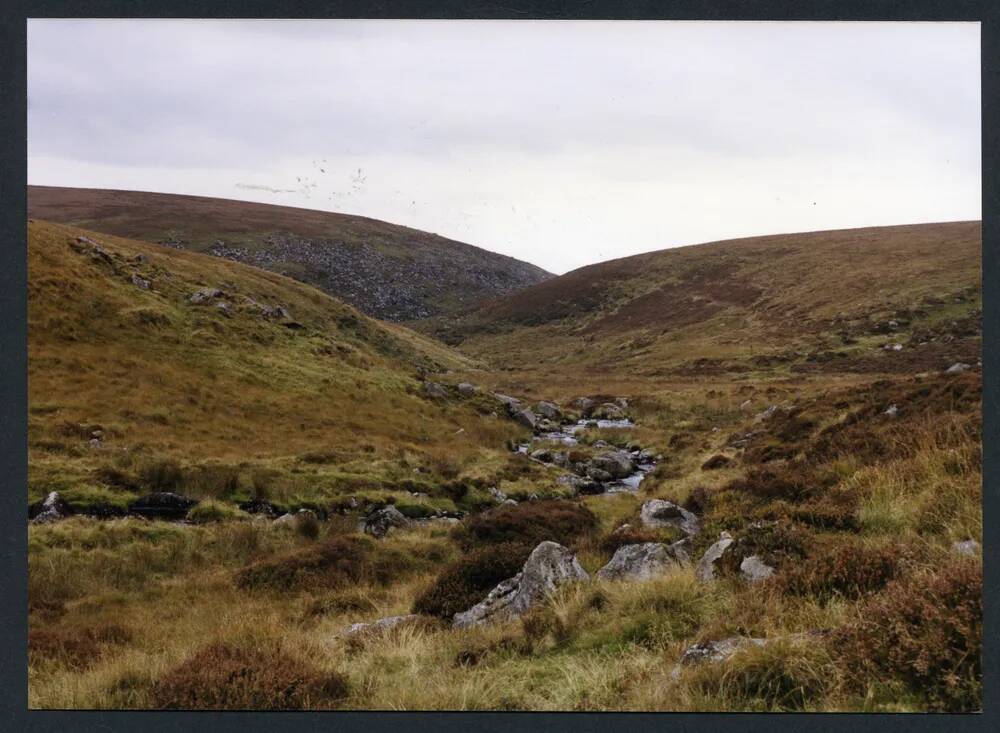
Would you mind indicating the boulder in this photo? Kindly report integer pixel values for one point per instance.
(380, 626)
(584, 405)
(511, 403)
(644, 561)
(435, 391)
(466, 390)
(542, 454)
(204, 295)
(162, 505)
(618, 464)
(967, 547)
(140, 282)
(957, 368)
(49, 509)
(259, 506)
(549, 410)
(526, 417)
(599, 475)
(718, 651)
(705, 572)
(292, 520)
(549, 566)
(659, 514)
(498, 496)
(379, 522)
(765, 414)
(753, 569)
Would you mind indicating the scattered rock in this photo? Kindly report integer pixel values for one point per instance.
(49, 509)
(753, 569)
(967, 547)
(140, 282)
(957, 368)
(658, 514)
(705, 572)
(435, 391)
(162, 505)
(379, 522)
(526, 417)
(204, 295)
(549, 566)
(548, 410)
(644, 561)
(466, 390)
(382, 625)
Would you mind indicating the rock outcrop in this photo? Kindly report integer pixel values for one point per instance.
(49, 509)
(644, 561)
(549, 566)
(660, 514)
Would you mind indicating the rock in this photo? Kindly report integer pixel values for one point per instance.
(549, 566)
(753, 569)
(95, 443)
(543, 455)
(746, 405)
(259, 506)
(766, 414)
(379, 522)
(705, 572)
(718, 651)
(162, 505)
(511, 403)
(226, 308)
(526, 417)
(204, 295)
(891, 411)
(548, 410)
(49, 509)
(498, 496)
(382, 625)
(291, 520)
(140, 282)
(957, 368)
(643, 561)
(967, 547)
(435, 391)
(618, 464)
(584, 405)
(466, 390)
(599, 475)
(608, 411)
(659, 514)
(509, 502)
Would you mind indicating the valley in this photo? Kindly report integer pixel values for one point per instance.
(738, 476)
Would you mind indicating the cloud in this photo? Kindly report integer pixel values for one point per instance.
(558, 142)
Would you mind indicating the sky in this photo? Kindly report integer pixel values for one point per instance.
(562, 143)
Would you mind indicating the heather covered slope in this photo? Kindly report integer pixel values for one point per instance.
(387, 271)
(266, 381)
(821, 301)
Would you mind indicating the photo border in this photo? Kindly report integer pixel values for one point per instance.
(15, 716)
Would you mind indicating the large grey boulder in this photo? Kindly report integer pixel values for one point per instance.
(753, 569)
(660, 514)
(705, 571)
(608, 411)
(466, 390)
(549, 566)
(584, 405)
(618, 464)
(644, 561)
(549, 410)
(511, 403)
(526, 417)
(379, 522)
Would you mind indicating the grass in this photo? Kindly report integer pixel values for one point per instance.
(869, 608)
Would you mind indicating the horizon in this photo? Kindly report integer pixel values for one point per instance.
(684, 132)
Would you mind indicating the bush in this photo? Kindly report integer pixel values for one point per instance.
(227, 677)
(466, 582)
(926, 631)
(529, 523)
(76, 648)
(853, 570)
(331, 564)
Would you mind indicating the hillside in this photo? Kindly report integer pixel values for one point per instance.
(799, 303)
(266, 381)
(387, 271)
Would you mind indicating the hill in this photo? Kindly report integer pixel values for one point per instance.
(175, 361)
(388, 271)
(798, 303)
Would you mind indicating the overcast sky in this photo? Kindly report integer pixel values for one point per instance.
(560, 143)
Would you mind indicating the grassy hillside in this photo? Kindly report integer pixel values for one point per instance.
(304, 404)
(792, 304)
(388, 271)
